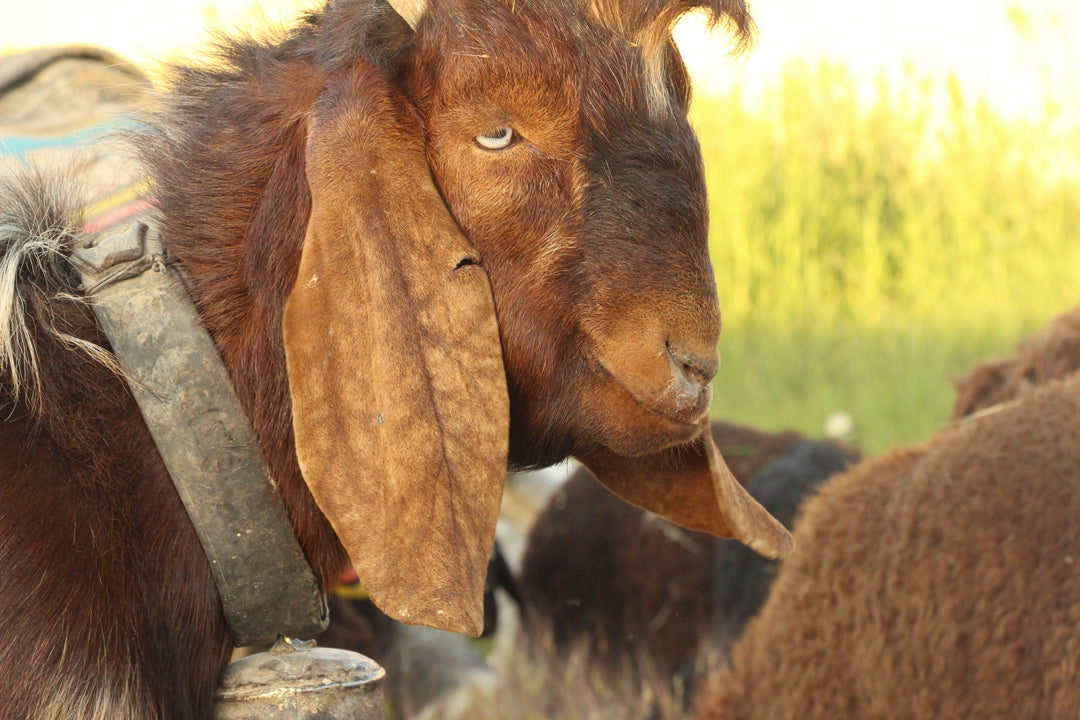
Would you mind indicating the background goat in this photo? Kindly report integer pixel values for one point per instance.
(935, 581)
(632, 592)
(426, 246)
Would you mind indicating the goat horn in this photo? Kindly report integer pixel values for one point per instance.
(410, 10)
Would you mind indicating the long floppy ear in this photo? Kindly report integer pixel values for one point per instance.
(399, 396)
(691, 485)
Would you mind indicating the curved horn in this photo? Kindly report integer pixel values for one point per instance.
(409, 10)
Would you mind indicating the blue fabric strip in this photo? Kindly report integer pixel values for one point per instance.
(19, 146)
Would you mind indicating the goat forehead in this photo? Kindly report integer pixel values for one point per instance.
(580, 45)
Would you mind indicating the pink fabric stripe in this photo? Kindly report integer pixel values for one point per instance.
(115, 216)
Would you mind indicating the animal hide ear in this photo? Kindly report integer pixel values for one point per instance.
(399, 399)
(691, 486)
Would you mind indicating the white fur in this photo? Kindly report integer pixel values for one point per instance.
(101, 702)
(23, 248)
(36, 227)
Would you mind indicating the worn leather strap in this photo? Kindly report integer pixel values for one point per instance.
(186, 398)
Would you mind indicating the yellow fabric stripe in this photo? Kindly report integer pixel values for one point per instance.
(131, 192)
(352, 591)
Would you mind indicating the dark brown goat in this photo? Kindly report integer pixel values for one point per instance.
(608, 578)
(635, 593)
(353, 209)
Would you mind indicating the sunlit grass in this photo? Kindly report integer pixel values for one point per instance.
(868, 249)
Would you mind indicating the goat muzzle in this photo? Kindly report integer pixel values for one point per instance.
(688, 394)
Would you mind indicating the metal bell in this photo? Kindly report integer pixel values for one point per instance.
(295, 680)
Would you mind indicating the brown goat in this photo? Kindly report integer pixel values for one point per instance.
(936, 581)
(426, 246)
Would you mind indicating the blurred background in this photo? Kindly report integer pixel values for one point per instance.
(895, 187)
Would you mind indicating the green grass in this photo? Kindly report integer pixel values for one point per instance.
(868, 250)
(894, 383)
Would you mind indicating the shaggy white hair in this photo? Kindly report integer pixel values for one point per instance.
(38, 220)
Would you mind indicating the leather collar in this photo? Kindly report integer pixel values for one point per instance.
(173, 369)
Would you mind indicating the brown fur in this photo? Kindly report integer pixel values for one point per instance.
(105, 583)
(1052, 353)
(935, 581)
(106, 596)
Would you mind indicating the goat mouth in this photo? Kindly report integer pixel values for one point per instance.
(671, 402)
(671, 405)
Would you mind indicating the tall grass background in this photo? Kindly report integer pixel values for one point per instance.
(869, 247)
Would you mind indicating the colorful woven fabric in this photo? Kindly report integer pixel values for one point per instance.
(65, 109)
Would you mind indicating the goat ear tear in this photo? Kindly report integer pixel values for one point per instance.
(691, 486)
(399, 400)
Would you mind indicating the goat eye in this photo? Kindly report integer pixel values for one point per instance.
(496, 139)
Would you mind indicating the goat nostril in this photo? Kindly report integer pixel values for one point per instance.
(691, 372)
(696, 371)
